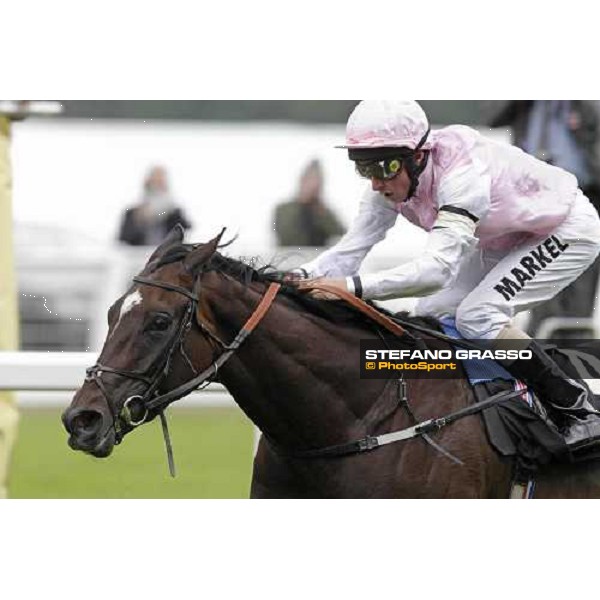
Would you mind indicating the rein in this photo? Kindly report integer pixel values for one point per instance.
(162, 401)
(392, 324)
(362, 306)
(151, 400)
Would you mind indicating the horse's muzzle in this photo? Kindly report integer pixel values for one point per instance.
(90, 431)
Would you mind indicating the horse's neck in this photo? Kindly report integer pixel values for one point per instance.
(296, 376)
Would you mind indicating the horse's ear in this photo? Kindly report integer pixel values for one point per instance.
(175, 236)
(202, 253)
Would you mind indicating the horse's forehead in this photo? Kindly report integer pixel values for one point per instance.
(131, 300)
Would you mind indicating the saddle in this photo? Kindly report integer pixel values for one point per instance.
(520, 428)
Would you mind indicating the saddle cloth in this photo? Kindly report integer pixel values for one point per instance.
(478, 371)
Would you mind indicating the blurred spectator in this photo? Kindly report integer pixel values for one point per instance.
(563, 133)
(306, 220)
(147, 223)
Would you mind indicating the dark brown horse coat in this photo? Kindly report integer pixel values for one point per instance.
(296, 377)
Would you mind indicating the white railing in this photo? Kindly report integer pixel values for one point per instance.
(51, 378)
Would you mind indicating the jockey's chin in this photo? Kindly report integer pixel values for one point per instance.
(395, 190)
(397, 201)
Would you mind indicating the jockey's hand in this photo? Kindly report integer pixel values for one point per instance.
(294, 276)
(321, 294)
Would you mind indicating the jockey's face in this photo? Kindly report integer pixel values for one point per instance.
(395, 189)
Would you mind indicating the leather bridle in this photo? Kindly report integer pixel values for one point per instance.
(151, 400)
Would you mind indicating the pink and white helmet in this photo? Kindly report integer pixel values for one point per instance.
(387, 123)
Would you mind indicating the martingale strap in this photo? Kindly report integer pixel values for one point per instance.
(371, 442)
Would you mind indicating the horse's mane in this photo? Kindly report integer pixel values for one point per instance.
(248, 270)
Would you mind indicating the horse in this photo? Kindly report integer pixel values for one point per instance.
(290, 362)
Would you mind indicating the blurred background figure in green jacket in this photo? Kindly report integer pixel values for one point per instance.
(306, 220)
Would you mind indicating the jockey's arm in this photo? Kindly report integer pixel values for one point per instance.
(463, 199)
(450, 239)
(370, 226)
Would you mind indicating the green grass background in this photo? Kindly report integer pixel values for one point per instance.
(213, 456)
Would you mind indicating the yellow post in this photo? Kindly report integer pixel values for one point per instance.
(9, 317)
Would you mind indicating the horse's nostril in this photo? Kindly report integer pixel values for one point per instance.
(83, 423)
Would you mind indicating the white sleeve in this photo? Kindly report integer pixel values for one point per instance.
(448, 242)
(375, 217)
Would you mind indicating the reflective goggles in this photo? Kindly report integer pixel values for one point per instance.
(379, 169)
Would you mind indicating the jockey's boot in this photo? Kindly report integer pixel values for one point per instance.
(567, 399)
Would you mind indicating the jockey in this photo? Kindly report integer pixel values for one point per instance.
(506, 232)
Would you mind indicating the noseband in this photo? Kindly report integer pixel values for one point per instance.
(152, 400)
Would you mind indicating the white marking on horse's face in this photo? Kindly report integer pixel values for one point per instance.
(132, 300)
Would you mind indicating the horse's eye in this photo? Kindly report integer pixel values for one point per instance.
(160, 323)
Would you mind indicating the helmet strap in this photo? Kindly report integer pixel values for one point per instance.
(413, 168)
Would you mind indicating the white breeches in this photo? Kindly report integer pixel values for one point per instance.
(491, 287)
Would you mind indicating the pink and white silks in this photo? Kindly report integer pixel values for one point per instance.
(523, 231)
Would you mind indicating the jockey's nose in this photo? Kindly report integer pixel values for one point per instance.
(377, 184)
